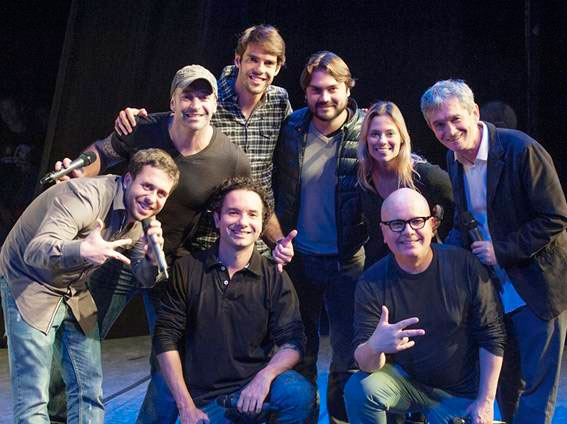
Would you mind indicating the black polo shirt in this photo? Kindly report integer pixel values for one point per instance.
(226, 327)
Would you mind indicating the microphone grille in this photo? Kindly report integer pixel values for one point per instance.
(88, 157)
(468, 220)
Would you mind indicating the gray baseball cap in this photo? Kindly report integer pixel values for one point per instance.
(188, 74)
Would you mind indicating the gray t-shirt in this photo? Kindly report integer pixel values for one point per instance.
(317, 227)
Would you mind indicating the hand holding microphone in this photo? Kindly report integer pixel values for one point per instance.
(152, 230)
(62, 169)
(482, 249)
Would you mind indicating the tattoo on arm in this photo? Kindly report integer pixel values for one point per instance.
(108, 155)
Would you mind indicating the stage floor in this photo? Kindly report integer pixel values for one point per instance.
(126, 375)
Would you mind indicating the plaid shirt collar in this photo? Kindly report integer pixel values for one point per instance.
(226, 84)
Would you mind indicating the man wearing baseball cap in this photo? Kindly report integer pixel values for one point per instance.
(205, 158)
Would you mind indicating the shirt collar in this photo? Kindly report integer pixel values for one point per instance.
(254, 266)
(118, 203)
(227, 81)
(482, 154)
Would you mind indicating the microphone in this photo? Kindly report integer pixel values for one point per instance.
(158, 252)
(84, 159)
(231, 402)
(471, 225)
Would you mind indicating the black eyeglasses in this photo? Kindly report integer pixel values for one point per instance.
(398, 225)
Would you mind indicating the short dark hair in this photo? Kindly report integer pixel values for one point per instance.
(241, 183)
(158, 159)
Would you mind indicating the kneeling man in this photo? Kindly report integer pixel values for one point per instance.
(225, 309)
(451, 368)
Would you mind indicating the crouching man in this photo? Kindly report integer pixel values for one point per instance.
(60, 239)
(451, 368)
(225, 309)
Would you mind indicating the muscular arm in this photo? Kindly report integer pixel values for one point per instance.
(106, 156)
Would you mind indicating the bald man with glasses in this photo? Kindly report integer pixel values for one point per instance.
(428, 326)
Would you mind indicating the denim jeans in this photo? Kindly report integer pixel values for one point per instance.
(112, 286)
(328, 279)
(30, 354)
(291, 396)
(369, 396)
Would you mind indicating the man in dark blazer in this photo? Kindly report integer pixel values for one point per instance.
(507, 182)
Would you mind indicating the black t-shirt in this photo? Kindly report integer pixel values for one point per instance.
(457, 306)
(200, 173)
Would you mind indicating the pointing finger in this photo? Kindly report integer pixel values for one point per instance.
(406, 322)
(279, 267)
(384, 316)
(119, 256)
(119, 243)
(292, 234)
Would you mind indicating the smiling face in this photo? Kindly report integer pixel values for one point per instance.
(145, 195)
(240, 219)
(383, 139)
(326, 97)
(256, 69)
(194, 106)
(410, 247)
(455, 126)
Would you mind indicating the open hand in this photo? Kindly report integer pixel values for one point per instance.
(392, 338)
(96, 250)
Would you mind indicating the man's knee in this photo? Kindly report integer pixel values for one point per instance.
(360, 390)
(291, 392)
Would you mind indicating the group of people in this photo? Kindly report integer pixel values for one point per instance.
(333, 193)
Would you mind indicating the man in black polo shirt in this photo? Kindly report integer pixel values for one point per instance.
(226, 308)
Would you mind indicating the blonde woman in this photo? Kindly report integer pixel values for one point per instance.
(386, 163)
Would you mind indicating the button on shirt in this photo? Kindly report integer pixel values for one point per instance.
(475, 175)
(41, 260)
(228, 326)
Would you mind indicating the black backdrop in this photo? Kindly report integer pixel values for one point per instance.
(89, 59)
(119, 53)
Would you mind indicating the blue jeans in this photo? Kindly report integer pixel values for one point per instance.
(30, 354)
(328, 279)
(291, 396)
(112, 286)
(369, 396)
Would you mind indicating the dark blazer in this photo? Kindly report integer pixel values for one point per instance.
(527, 218)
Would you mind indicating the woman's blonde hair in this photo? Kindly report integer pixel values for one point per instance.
(404, 160)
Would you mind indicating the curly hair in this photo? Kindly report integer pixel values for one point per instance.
(240, 183)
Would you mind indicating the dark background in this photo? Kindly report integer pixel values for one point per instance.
(89, 59)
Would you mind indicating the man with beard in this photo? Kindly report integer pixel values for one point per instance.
(315, 191)
(250, 109)
(60, 239)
